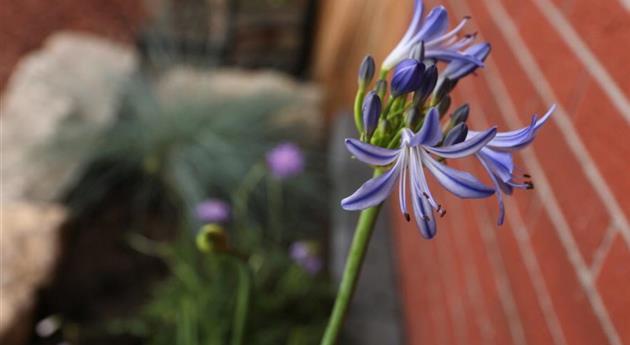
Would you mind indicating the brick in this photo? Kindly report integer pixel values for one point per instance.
(531, 314)
(553, 153)
(422, 290)
(574, 311)
(613, 282)
(602, 25)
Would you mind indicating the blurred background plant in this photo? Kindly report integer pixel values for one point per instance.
(191, 143)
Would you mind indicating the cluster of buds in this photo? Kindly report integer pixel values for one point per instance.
(416, 86)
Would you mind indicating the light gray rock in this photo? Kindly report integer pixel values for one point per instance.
(28, 252)
(76, 80)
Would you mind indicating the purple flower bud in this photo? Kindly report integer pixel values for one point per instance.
(371, 111)
(429, 80)
(456, 135)
(407, 77)
(213, 211)
(285, 160)
(366, 70)
(460, 115)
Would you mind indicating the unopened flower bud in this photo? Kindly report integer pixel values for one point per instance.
(444, 89)
(211, 238)
(445, 103)
(429, 79)
(381, 88)
(371, 111)
(460, 115)
(366, 70)
(456, 135)
(407, 77)
(412, 117)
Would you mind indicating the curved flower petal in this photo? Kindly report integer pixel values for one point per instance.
(371, 154)
(545, 117)
(460, 183)
(435, 25)
(459, 69)
(465, 148)
(430, 133)
(423, 214)
(448, 35)
(372, 192)
(499, 163)
(402, 48)
(452, 55)
(498, 193)
(402, 185)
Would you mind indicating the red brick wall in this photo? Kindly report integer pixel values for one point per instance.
(25, 24)
(558, 271)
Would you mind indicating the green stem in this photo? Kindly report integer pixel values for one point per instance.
(242, 302)
(361, 239)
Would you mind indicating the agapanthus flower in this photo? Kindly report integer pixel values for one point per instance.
(213, 211)
(285, 160)
(497, 159)
(439, 43)
(416, 151)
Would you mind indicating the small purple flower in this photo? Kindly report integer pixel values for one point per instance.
(496, 158)
(285, 160)
(415, 153)
(213, 211)
(304, 254)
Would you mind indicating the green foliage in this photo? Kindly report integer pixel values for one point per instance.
(197, 304)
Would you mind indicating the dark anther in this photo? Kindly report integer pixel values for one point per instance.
(467, 17)
(529, 184)
(426, 195)
(407, 217)
(527, 176)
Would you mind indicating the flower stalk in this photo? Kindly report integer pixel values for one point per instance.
(362, 235)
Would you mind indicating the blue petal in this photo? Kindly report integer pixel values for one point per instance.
(423, 214)
(451, 55)
(498, 193)
(372, 192)
(402, 186)
(499, 163)
(448, 35)
(465, 148)
(370, 154)
(458, 69)
(460, 183)
(430, 133)
(435, 24)
(545, 117)
(416, 21)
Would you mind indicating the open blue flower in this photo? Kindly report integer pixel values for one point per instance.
(497, 159)
(439, 43)
(416, 152)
